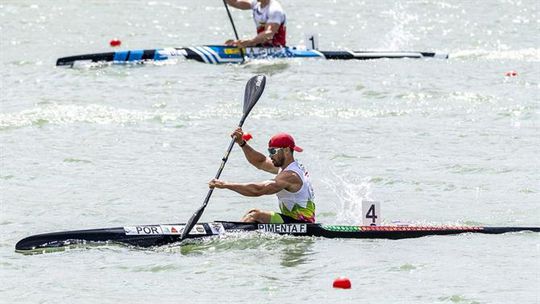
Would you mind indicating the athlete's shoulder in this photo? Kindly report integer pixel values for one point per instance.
(289, 175)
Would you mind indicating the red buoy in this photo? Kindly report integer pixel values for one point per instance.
(342, 282)
(247, 136)
(511, 74)
(115, 42)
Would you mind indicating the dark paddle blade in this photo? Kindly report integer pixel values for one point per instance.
(192, 221)
(254, 90)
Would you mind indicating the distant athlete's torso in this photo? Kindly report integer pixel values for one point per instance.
(272, 13)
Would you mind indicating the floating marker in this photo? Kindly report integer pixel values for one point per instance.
(115, 42)
(342, 282)
(247, 136)
(511, 74)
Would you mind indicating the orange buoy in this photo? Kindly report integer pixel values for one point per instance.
(342, 282)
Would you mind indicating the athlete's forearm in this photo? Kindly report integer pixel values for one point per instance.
(261, 38)
(240, 4)
(246, 189)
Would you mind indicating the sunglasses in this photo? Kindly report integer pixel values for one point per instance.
(274, 151)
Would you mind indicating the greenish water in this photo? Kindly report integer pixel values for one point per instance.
(435, 141)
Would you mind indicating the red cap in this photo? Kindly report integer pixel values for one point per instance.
(283, 140)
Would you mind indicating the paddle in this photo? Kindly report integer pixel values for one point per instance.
(254, 90)
(234, 29)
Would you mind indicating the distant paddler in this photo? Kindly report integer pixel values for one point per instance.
(291, 183)
(270, 21)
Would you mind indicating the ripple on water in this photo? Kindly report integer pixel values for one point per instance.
(98, 114)
(404, 268)
(266, 67)
(76, 160)
(458, 299)
(528, 55)
(342, 156)
(155, 268)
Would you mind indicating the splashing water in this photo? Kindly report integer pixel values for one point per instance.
(351, 192)
(400, 35)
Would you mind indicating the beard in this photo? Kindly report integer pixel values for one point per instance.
(277, 162)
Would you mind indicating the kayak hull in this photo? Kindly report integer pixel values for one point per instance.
(159, 235)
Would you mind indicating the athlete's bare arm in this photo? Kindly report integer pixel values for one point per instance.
(287, 180)
(268, 34)
(254, 157)
(240, 4)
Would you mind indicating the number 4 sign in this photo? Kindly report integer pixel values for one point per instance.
(371, 213)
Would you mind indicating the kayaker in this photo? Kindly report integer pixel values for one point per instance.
(291, 184)
(270, 21)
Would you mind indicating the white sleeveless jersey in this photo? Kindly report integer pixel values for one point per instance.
(302, 196)
(272, 13)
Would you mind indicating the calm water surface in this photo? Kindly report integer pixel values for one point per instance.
(435, 141)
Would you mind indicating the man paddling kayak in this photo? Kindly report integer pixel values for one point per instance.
(291, 184)
(270, 21)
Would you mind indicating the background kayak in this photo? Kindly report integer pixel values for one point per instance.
(218, 54)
